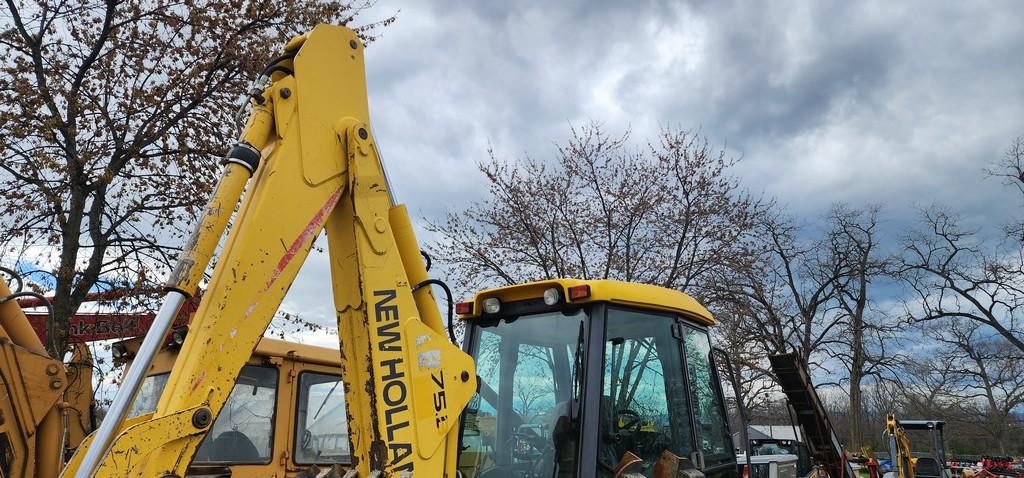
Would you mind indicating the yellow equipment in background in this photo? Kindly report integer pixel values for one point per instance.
(284, 388)
(32, 408)
(899, 448)
(560, 378)
(285, 414)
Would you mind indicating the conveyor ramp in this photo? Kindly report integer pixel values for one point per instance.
(818, 434)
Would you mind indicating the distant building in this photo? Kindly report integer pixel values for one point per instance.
(760, 432)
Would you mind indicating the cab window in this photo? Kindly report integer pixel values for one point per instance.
(644, 405)
(244, 430)
(708, 408)
(321, 425)
(149, 395)
(522, 420)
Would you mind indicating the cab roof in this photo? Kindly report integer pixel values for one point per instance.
(643, 296)
(266, 347)
(921, 424)
(307, 353)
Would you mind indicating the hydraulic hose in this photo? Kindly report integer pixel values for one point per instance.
(451, 302)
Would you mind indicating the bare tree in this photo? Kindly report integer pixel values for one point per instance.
(669, 214)
(749, 360)
(855, 247)
(993, 373)
(1010, 169)
(786, 300)
(813, 296)
(115, 113)
(928, 385)
(952, 278)
(749, 384)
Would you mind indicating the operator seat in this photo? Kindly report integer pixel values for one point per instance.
(233, 446)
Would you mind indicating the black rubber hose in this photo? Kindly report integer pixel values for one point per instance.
(274, 63)
(283, 69)
(451, 304)
(15, 277)
(272, 67)
(427, 258)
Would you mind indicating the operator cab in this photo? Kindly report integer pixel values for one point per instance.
(581, 378)
(932, 464)
(285, 414)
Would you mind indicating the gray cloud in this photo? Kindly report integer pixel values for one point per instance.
(896, 103)
(845, 98)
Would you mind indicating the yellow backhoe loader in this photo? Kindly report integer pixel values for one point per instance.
(559, 378)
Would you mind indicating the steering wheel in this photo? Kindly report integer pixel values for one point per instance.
(631, 420)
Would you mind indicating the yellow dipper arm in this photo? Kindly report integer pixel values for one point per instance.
(405, 383)
(899, 448)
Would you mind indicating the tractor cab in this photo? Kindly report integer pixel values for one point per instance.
(932, 464)
(591, 378)
(285, 415)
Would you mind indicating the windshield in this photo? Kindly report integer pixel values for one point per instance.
(244, 430)
(523, 420)
(149, 395)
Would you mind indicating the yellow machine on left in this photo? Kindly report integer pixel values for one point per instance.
(44, 403)
(282, 405)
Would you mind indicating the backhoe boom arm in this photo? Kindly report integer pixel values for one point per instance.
(315, 168)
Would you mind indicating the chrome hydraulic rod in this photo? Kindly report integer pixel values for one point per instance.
(131, 383)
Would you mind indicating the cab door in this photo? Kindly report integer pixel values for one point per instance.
(317, 421)
(714, 453)
(659, 391)
(645, 407)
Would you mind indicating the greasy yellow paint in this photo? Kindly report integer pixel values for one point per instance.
(409, 250)
(197, 252)
(643, 296)
(320, 172)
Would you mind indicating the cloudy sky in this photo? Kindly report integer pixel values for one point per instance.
(902, 104)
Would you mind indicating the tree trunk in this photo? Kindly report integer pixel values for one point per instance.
(857, 367)
(856, 437)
